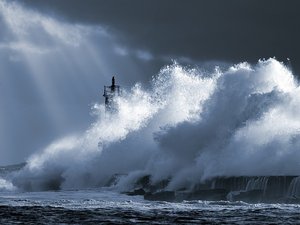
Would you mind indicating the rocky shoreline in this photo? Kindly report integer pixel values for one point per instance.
(250, 189)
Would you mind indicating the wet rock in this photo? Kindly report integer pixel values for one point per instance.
(251, 189)
(292, 200)
(143, 182)
(114, 180)
(139, 191)
(168, 196)
(253, 196)
(208, 195)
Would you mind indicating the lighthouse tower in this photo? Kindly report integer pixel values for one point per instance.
(110, 92)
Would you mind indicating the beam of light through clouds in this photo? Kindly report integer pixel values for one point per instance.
(233, 31)
(51, 72)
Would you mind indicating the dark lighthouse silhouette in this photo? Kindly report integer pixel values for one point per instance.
(110, 94)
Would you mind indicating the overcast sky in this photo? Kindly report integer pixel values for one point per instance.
(57, 55)
(231, 30)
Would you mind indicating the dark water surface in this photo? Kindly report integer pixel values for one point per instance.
(106, 207)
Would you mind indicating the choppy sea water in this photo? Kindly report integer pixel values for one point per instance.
(107, 207)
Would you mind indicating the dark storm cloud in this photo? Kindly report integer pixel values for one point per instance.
(142, 37)
(231, 30)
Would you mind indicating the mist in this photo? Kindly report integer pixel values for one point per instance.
(188, 127)
(51, 73)
(186, 123)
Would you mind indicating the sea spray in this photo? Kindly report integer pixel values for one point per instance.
(187, 127)
(6, 185)
(122, 142)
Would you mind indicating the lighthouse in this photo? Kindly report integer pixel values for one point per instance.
(110, 94)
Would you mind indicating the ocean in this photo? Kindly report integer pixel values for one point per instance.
(103, 206)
